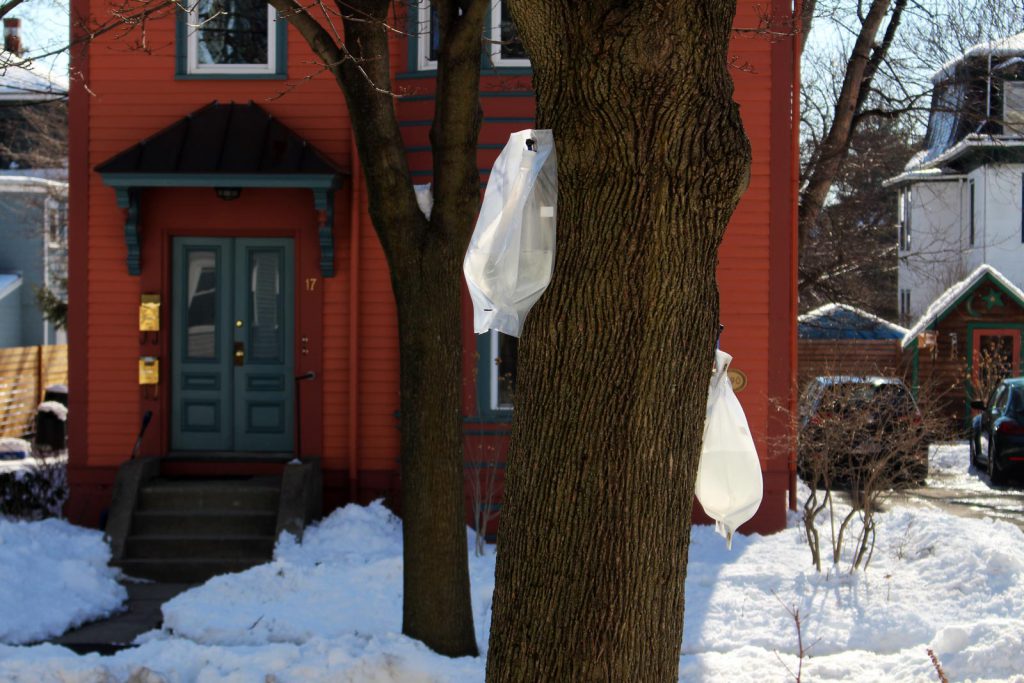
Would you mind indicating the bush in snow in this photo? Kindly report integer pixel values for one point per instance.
(864, 439)
(36, 489)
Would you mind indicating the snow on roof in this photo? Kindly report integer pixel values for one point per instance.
(27, 183)
(951, 295)
(9, 282)
(1002, 47)
(921, 168)
(26, 81)
(841, 321)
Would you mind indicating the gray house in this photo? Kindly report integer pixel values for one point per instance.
(33, 253)
(33, 192)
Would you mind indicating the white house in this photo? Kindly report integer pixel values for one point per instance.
(960, 199)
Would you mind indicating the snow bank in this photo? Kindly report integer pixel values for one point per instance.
(54, 577)
(330, 610)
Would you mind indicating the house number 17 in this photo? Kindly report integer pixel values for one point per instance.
(310, 284)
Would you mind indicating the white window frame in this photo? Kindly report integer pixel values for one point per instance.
(194, 67)
(423, 61)
(496, 57)
(494, 375)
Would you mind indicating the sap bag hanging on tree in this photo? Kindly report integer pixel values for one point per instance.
(512, 252)
(729, 485)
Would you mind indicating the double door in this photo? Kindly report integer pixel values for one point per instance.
(232, 359)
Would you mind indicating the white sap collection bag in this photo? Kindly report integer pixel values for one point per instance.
(512, 252)
(729, 484)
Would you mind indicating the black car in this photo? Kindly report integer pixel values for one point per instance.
(853, 429)
(997, 434)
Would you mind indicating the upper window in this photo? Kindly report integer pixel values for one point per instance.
(233, 38)
(506, 50)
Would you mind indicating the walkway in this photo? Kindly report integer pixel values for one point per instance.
(142, 614)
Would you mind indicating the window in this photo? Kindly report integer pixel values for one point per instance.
(232, 38)
(504, 362)
(1013, 107)
(904, 210)
(506, 49)
(970, 218)
(497, 361)
(429, 36)
(904, 305)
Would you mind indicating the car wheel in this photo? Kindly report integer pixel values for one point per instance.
(995, 472)
(974, 449)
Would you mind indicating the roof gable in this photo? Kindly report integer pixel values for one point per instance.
(222, 139)
(953, 297)
(840, 321)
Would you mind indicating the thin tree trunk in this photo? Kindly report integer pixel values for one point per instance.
(425, 258)
(616, 359)
(436, 607)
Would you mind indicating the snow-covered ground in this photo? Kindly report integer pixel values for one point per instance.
(53, 576)
(330, 610)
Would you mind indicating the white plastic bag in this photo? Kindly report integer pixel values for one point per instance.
(729, 485)
(512, 252)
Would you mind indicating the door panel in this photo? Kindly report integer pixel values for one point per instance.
(233, 326)
(264, 309)
(200, 408)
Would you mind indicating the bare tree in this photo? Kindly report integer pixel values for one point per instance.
(652, 161)
(875, 68)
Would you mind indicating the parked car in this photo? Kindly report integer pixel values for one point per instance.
(997, 433)
(853, 429)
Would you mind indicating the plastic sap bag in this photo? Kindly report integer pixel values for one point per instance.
(512, 252)
(729, 485)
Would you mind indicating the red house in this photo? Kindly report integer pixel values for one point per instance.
(220, 247)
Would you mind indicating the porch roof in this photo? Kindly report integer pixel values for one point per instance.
(237, 144)
(230, 147)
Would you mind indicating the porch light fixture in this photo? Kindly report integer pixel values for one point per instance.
(228, 193)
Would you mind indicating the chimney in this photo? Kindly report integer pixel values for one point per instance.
(12, 36)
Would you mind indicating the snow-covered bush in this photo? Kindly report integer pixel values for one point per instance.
(36, 489)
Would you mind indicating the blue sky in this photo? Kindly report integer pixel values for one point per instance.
(45, 27)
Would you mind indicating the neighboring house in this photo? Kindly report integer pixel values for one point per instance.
(968, 338)
(33, 197)
(960, 199)
(220, 190)
(33, 251)
(836, 339)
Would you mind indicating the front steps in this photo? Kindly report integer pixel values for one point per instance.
(186, 530)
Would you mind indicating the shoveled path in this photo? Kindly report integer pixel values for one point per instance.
(142, 614)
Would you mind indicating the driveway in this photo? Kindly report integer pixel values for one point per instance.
(960, 489)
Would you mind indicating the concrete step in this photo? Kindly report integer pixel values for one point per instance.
(182, 571)
(260, 494)
(259, 548)
(208, 523)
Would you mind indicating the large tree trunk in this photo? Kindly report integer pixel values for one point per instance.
(617, 356)
(425, 258)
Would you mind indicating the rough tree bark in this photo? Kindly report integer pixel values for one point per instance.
(617, 355)
(425, 259)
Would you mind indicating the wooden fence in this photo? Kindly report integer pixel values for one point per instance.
(25, 372)
(848, 357)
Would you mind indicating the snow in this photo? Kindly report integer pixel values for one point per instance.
(330, 610)
(59, 410)
(951, 295)
(14, 449)
(843, 317)
(55, 577)
(1003, 47)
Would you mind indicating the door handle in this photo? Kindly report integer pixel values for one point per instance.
(239, 353)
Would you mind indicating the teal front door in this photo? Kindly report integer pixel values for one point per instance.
(232, 352)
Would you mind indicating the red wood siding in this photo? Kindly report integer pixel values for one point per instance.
(134, 94)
